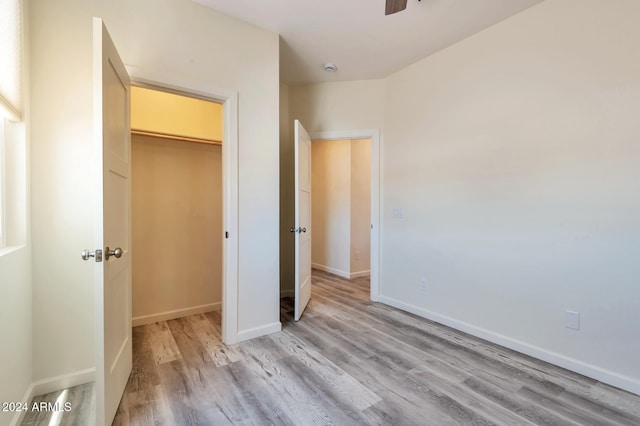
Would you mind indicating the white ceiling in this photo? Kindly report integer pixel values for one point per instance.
(358, 37)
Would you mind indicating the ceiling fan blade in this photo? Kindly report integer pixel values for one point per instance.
(394, 6)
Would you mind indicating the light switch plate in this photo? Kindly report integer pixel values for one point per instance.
(397, 213)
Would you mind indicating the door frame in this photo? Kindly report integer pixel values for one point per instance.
(229, 100)
(374, 136)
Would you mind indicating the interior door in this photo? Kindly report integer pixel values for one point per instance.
(302, 226)
(113, 229)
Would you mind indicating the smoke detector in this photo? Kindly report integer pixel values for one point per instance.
(329, 67)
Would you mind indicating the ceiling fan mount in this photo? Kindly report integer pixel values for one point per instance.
(395, 6)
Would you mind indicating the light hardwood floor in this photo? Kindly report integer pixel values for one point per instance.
(54, 410)
(350, 361)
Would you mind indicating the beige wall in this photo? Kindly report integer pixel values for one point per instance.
(177, 226)
(174, 40)
(340, 106)
(360, 207)
(341, 206)
(168, 113)
(331, 205)
(15, 326)
(514, 154)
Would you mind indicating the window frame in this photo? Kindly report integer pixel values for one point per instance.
(12, 45)
(3, 174)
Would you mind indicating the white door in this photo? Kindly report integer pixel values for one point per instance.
(302, 226)
(113, 230)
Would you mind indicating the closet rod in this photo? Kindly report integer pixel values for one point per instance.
(175, 137)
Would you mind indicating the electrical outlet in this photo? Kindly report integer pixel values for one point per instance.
(572, 320)
(423, 284)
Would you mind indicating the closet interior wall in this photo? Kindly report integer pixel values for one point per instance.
(176, 212)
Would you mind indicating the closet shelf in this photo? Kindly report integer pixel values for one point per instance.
(175, 137)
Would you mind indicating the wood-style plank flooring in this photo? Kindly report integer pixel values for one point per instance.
(347, 362)
(350, 361)
(74, 406)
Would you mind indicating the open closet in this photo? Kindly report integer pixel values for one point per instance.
(176, 188)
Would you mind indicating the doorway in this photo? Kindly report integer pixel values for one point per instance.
(177, 205)
(287, 247)
(373, 135)
(341, 206)
(229, 162)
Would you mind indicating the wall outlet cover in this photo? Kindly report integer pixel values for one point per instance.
(572, 320)
(423, 284)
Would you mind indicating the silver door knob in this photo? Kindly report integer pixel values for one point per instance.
(117, 253)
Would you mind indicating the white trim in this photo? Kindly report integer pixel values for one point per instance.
(259, 331)
(7, 111)
(374, 135)
(54, 384)
(359, 274)
(3, 185)
(597, 373)
(98, 267)
(229, 101)
(176, 313)
(330, 270)
(340, 273)
(64, 381)
(5, 250)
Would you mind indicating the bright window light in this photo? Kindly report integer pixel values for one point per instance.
(10, 57)
(10, 88)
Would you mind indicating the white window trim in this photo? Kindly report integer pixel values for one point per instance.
(11, 103)
(11, 47)
(3, 174)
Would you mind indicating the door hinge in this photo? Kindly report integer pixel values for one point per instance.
(226, 234)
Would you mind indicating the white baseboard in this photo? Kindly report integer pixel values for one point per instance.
(178, 313)
(287, 293)
(54, 384)
(340, 273)
(359, 274)
(331, 270)
(603, 375)
(259, 331)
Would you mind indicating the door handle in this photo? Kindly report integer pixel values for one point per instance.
(117, 253)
